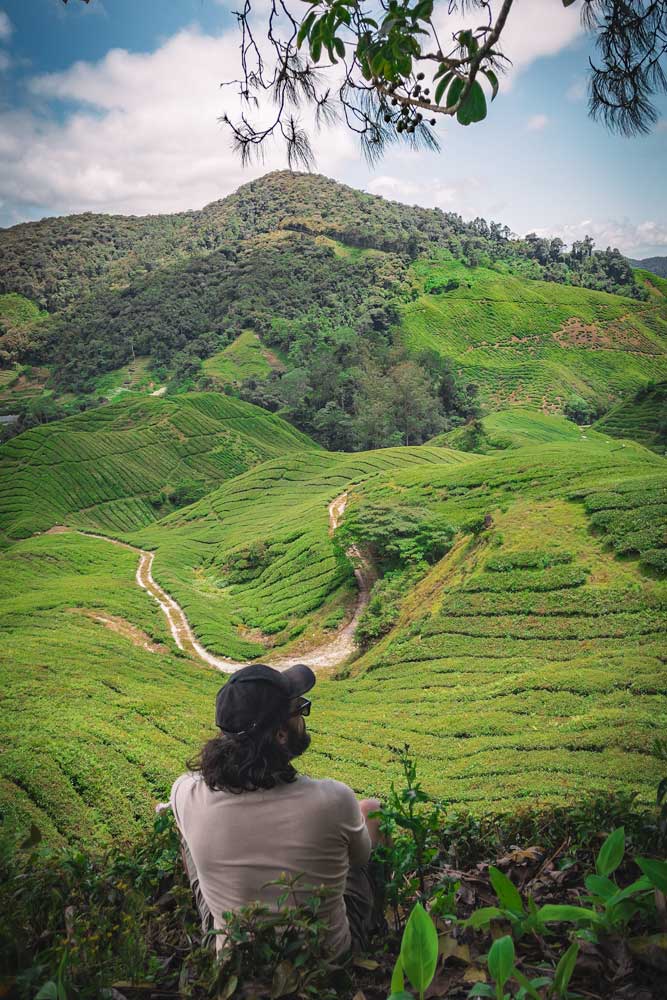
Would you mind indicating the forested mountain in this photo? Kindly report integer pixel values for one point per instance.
(354, 304)
(657, 265)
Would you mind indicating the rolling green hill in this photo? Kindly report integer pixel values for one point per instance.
(533, 343)
(643, 417)
(526, 668)
(252, 563)
(528, 665)
(125, 464)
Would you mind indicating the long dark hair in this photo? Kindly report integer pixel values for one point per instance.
(244, 763)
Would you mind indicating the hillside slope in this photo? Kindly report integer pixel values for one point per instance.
(125, 464)
(529, 663)
(253, 564)
(534, 343)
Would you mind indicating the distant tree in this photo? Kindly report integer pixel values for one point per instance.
(387, 69)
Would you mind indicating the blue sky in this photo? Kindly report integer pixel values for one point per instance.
(113, 107)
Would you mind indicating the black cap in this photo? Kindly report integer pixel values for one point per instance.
(258, 696)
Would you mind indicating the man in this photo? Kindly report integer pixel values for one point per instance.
(246, 816)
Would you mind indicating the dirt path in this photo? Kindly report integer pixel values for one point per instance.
(329, 654)
(337, 649)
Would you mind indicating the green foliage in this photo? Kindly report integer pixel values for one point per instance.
(397, 534)
(101, 470)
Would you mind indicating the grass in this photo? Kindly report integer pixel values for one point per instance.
(17, 311)
(532, 343)
(244, 358)
(114, 468)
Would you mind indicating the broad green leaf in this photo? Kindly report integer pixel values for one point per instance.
(501, 959)
(565, 968)
(454, 91)
(611, 853)
(482, 990)
(483, 916)
(419, 948)
(442, 87)
(304, 29)
(568, 3)
(339, 47)
(473, 108)
(656, 871)
(550, 913)
(506, 891)
(397, 980)
(641, 885)
(600, 886)
(493, 80)
(49, 991)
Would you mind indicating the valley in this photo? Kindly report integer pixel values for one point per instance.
(309, 425)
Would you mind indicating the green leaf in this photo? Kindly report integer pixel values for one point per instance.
(611, 853)
(551, 913)
(229, 988)
(529, 987)
(493, 80)
(473, 108)
(442, 87)
(419, 948)
(565, 968)
(501, 959)
(403, 995)
(484, 916)
(655, 871)
(454, 91)
(482, 990)
(339, 47)
(397, 980)
(49, 991)
(641, 885)
(305, 28)
(568, 3)
(600, 886)
(507, 893)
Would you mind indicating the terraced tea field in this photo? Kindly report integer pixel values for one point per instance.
(115, 468)
(531, 343)
(253, 565)
(529, 665)
(642, 418)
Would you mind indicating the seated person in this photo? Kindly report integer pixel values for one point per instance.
(246, 816)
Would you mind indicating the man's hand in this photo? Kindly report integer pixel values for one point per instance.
(373, 825)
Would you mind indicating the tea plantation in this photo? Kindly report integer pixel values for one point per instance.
(533, 343)
(529, 664)
(252, 564)
(526, 667)
(123, 465)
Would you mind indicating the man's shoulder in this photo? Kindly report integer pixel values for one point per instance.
(183, 781)
(329, 788)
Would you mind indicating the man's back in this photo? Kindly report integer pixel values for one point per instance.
(239, 842)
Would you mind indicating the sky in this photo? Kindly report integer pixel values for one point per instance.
(114, 107)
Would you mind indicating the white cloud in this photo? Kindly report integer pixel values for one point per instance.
(536, 123)
(577, 90)
(396, 188)
(629, 237)
(6, 27)
(534, 29)
(144, 136)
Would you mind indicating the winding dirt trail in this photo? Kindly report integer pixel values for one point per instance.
(329, 654)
